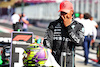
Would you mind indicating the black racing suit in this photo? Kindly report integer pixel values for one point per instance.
(57, 35)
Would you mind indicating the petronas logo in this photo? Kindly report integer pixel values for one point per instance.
(73, 26)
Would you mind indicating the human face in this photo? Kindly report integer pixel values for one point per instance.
(67, 18)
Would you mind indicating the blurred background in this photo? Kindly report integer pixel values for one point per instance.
(47, 9)
(41, 12)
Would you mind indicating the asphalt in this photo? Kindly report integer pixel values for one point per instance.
(79, 58)
(80, 63)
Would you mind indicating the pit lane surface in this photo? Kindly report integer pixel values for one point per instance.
(35, 30)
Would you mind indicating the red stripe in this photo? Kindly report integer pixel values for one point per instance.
(10, 30)
(95, 60)
(6, 29)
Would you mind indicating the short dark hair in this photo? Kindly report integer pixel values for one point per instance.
(87, 16)
(91, 17)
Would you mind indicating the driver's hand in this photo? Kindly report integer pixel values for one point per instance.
(67, 19)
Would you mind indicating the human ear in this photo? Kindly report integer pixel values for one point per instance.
(72, 11)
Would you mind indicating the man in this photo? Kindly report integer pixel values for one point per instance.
(25, 21)
(90, 33)
(96, 26)
(64, 34)
(15, 18)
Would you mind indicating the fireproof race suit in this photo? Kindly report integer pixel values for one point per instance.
(57, 35)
